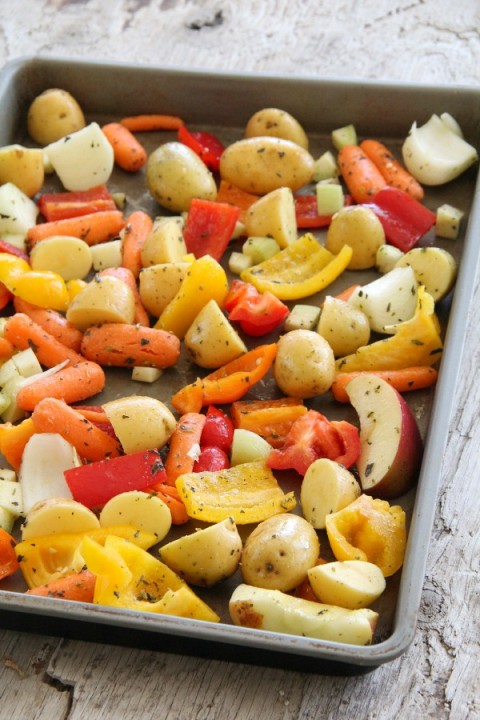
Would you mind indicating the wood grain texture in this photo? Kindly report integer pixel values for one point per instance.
(433, 41)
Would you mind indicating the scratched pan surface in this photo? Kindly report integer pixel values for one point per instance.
(222, 103)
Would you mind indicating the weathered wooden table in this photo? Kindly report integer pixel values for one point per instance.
(433, 41)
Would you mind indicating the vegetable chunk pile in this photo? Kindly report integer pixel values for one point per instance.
(278, 461)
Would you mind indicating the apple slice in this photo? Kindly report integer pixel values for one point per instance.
(391, 446)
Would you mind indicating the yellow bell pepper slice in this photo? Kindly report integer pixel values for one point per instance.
(129, 577)
(46, 289)
(416, 342)
(248, 493)
(12, 266)
(301, 269)
(49, 557)
(205, 280)
(369, 529)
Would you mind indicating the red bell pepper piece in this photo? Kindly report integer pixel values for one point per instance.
(404, 219)
(311, 437)
(217, 431)
(208, 147)
(95, 483)
(8, 558)
(257, 313)
(62, 205)
(209, 227)
(306, 211)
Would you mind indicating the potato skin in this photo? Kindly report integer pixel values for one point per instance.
(261, 164)
(276, 123)
(304, 365)
(279, 552)
(359, 227)
(52, 115)
(175, 174)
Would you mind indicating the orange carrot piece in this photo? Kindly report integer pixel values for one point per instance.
(271, 419)
(361, 176)
(123, 273)
(72, 383)
(170, 496)
(79, 586)
(55, 416)
(129, 153)
(151, 122)
(138, 227)
(347, 293)
(404, 380)
(232, 195)
(124, 345)
(13, 439)
(6, 349)
(93, 228)
(394, 173)
(53, 322)
(180, 458)
(24, 333)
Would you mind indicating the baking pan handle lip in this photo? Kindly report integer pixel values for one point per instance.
(20, 63)
(36, 610)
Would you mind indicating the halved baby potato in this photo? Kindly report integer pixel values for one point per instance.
(68, 256)
(211, 341)
(326, 487)
(106, 299)
(141, 510)
(58, 515)
(206, 556)
(349, 584)
(140, 422)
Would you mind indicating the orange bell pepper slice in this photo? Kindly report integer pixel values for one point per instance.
(227, 384)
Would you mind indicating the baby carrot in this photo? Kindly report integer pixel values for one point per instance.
(93, 228)
(181, 454)
(53, 322)
(79, 586)
(73, 383)
(410, 378)
(129, 154)
(137, 228)
(394, 173)
(123, 273)
(6, 349)
(124, 345)
(55, 416)
(361, 176)
(347, 293)
(152, 122)
(13, 439)
(171, 497)
(23, 333)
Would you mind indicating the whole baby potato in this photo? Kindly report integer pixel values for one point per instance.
(261, 164)
(276, 123)
(359, 227)
(175, 175)
(279, 552)
(304, 364)
(52, 115)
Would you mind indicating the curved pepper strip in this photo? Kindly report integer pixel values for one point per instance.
(129, 577)
(416, 342)
(248, 493)
(46, 289)
(227, 384)
(369, 529)
(303, 268)
(48, 557)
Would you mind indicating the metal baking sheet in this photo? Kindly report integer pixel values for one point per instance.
(222, 103)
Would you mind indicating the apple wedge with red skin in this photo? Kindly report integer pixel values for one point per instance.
(390, 441)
